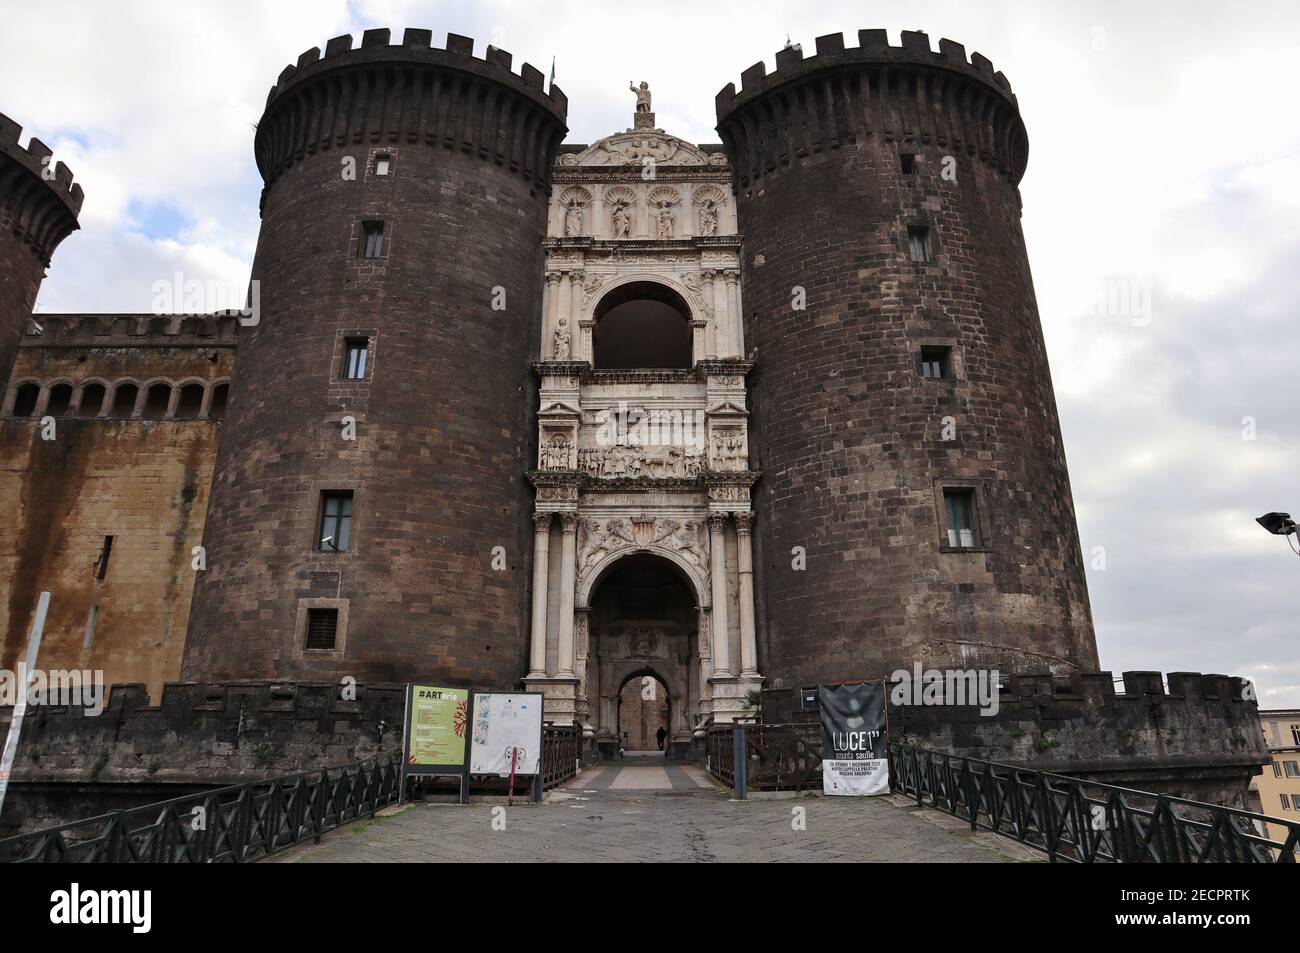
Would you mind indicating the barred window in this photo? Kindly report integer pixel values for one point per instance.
(322, 628)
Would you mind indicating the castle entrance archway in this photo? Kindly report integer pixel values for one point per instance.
(643, 669)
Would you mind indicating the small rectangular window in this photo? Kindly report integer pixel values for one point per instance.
(1292, 768)
(918, 243)
(1286, 803)
(372, 243)
(907, 162)
(1295, 801)
(1277, 769)
(936, 363)
(355, 355)
(1295, 734)
(960, 506)
(322, 628)
(382, 164)
(335, 522)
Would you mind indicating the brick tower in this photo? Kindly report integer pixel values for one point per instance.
(38, 210)
(903, 413)
(400, 275)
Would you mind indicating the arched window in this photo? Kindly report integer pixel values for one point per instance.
(642, 324)
(124, 400)
(92, 400)
(25, 399)
(60, 400)
(156, 400)
(217, 409)
(191, 401)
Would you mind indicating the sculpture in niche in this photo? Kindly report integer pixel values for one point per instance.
(555, 453)
(709, 218)
(622, 221)
(573, 219)
(642, 96)
(664, 218)
(562, 338)
(729, 448)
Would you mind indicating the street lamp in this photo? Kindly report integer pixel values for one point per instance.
(1279, 524)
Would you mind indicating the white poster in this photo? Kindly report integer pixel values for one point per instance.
(506, 726)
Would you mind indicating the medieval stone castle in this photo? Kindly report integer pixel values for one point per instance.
(512, 411)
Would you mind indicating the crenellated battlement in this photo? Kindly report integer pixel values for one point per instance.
(907, 93)
(411, 92)
(40, 208)
(219, 329)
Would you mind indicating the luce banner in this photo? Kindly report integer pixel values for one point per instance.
(855, 755)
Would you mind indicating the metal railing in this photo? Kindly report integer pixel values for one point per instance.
(235, 824)
(561, 751)
(776, 757)
(1086, 822)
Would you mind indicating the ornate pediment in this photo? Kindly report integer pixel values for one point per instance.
(635, 145)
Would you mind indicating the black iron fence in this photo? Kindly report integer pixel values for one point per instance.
(1069, 819)
(1083, 821)
(233, 824)
(561, 751)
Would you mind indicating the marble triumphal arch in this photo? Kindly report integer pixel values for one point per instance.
(642, 545)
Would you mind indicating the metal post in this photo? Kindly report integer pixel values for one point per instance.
(20, 703)
(740, 763)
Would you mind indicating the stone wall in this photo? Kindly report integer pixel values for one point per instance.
(1198, 737)
(71, 765)
(143, 482)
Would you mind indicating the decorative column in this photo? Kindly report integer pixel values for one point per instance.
(551, 311)
(735, 341)
(582, 628)
(715, 333)
(541, 554)
(585, 352)
(718, 562)
(568, 567)
(699, 339)
(745, 570)
(721, 316)
(566, 295)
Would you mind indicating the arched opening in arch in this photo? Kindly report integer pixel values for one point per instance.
(190, 402)
(60, 400)
(156, 400)
(25, 399)
(644, 711)
(642, 324)
(92, 400)
(124, 400)
(217, 408)
(643, 662)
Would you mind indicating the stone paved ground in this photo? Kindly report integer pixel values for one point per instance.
(644, 811)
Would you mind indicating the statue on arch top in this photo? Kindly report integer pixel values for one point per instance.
(642, 96)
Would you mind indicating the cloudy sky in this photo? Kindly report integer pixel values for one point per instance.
(1164, 173)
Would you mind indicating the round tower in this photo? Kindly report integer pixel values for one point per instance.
(914, 504)
(369, 515)
(38, 209)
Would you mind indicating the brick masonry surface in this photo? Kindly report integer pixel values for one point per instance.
(442, 418)
(848, 434)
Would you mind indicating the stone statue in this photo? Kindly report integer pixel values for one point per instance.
(573, 220)
(665, 216)
(709, 218)
(562, 341)
(622, 221)
(642, 96)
